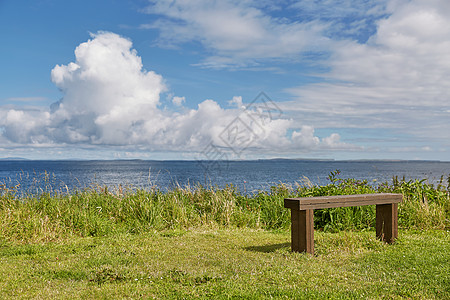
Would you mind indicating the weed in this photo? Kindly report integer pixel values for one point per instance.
(106, 274)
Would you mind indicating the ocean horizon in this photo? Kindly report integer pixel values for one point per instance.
(246, 175)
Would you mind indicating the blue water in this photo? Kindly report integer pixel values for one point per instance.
(248, 176)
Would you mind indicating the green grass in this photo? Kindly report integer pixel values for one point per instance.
(239, 263)
(99, 211)
(219, 243)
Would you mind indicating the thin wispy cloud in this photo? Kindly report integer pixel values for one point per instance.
(347, 19)
(399, 79)
(235, 33)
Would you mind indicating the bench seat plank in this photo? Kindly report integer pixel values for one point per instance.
(341, 201)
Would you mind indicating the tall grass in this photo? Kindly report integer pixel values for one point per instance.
(99, 211)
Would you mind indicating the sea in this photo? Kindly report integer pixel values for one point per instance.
(248, 176)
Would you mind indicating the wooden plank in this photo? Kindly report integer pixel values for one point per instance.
(344, 204)
(341, 201)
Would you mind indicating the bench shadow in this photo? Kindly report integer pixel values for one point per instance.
(268, 248)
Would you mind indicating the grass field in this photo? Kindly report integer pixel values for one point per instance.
(240, 263)
(208, 242)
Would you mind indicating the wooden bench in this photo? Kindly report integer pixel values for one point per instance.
(302, 216)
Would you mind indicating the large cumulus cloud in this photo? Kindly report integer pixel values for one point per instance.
(109, 99)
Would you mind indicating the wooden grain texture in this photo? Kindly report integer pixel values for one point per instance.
(387, 222)
(302, 230)
(341, 201)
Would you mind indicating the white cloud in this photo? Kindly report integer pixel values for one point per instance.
(237, 33)
(399, 79)
(305, 137)
(237, 101)
(111, 100)
(347, 18)
(336, 9)
(388, 59)
(178, 101)
(24, 126)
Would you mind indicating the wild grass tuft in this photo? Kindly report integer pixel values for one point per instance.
(99, 211)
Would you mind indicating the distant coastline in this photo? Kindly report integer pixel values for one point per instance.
(235, 160)
(14, 158)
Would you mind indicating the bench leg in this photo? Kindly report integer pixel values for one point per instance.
(387, 222)
(302, 230)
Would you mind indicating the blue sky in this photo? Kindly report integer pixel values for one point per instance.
(183, 79)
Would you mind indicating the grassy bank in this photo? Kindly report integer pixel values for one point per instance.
(218, 243)
(99, 211)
